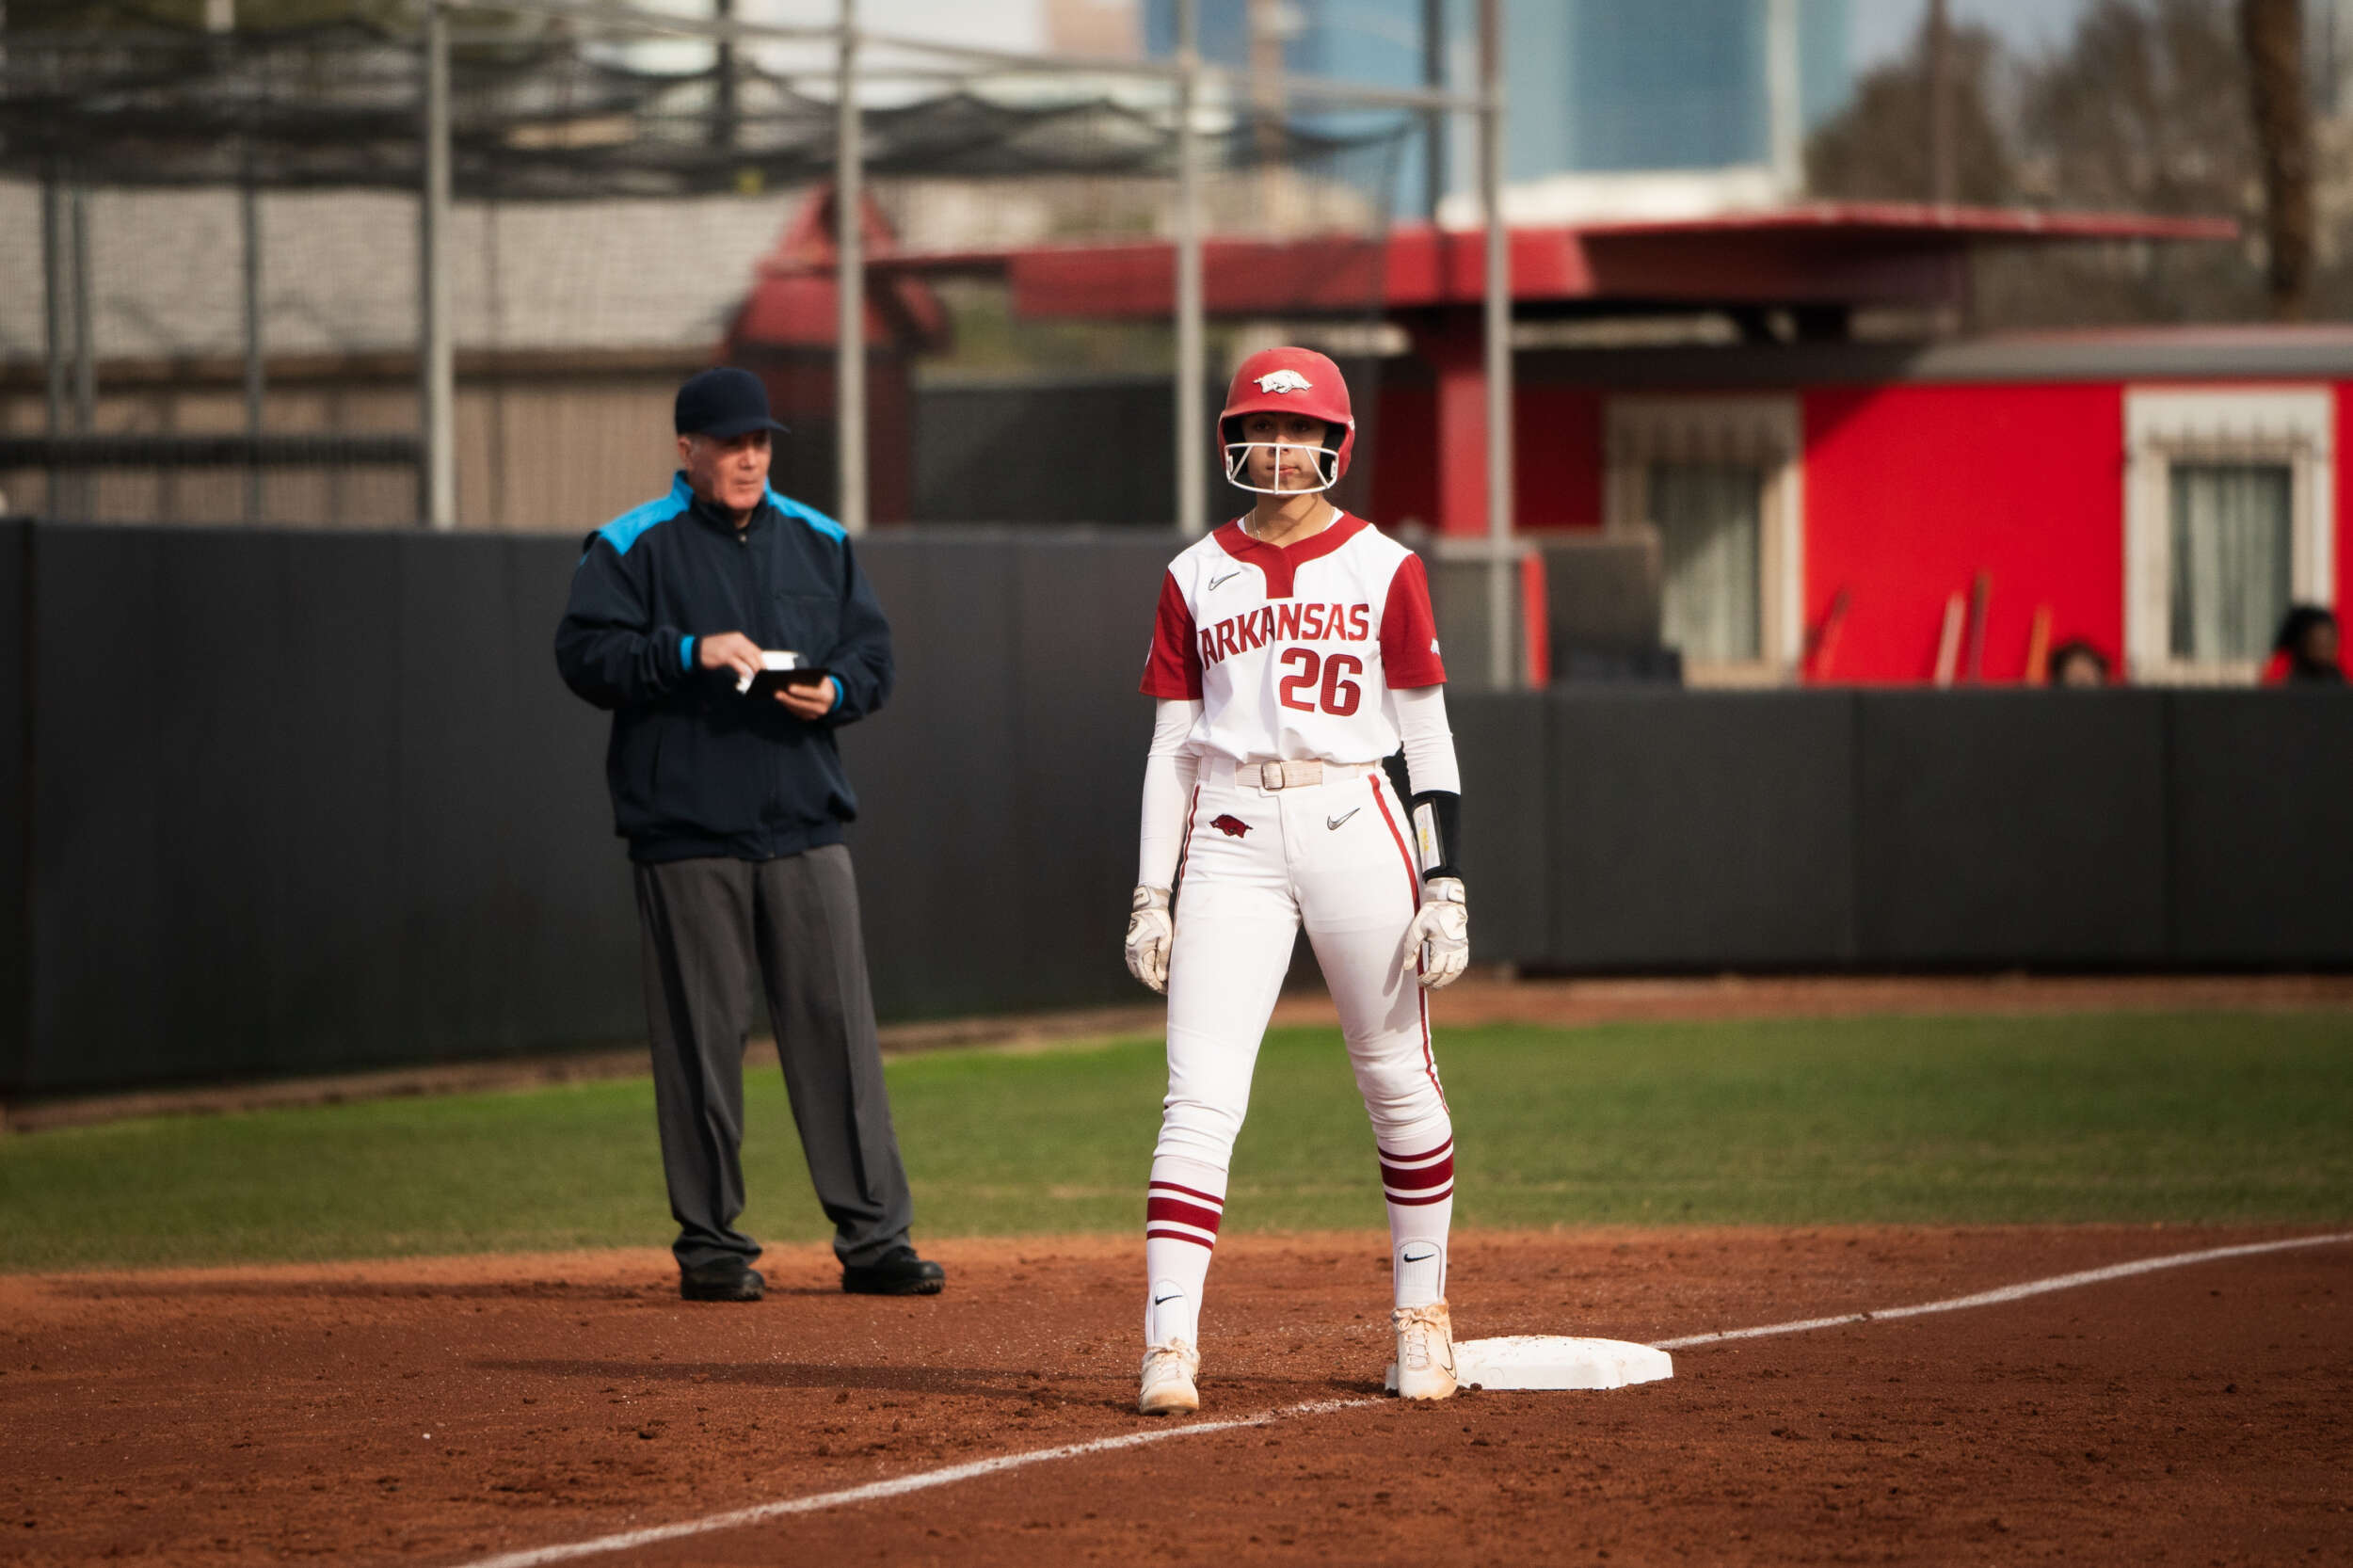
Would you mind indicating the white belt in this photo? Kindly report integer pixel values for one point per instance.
(1297, 775)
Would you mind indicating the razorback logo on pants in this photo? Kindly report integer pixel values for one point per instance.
(1232, 826)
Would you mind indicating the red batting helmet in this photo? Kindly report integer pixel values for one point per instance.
(1288, 381)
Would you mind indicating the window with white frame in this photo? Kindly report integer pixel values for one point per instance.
(1717, 480)
(2228, 522)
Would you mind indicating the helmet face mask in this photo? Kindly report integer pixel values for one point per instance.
(1286, 382)
(1325, 457)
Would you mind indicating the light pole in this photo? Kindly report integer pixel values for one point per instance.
(849, 199)
(1191, 500)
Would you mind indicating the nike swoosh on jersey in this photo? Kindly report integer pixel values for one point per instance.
(1216, 581)
(1334, 823)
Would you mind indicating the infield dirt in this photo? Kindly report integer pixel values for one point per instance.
(437, 1411)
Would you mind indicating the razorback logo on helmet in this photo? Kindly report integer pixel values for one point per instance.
(1232, 826)
(1284, 382)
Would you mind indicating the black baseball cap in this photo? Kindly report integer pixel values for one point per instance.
(724, 402)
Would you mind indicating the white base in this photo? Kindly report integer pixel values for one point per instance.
(1552, 1361)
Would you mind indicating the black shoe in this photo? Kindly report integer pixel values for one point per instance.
(895, 1273)
(729, 1279)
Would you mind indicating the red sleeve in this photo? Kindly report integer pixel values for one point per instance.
(1409, 632)
(1173, 671)
(2276, 670)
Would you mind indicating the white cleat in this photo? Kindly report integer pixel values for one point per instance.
(1425, 1351)
(1168, 1374)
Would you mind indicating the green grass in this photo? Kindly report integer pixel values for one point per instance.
(2134, 1118)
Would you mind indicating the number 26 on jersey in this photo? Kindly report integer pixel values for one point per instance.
(1321, 681)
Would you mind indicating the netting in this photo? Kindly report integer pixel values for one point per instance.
(223, 233)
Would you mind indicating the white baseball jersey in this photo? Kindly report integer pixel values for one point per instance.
(1292, 650)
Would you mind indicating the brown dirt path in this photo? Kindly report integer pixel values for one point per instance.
(2200, 1415)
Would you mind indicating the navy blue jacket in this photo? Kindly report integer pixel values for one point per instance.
(697, 769)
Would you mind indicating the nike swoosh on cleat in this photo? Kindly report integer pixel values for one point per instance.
(1334, 823)
(1215, 581)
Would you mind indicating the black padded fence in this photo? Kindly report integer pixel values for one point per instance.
(16, 806)
(288, 803)
(1629, 828)
(305, 803)
(2259, 824)
(296, 803)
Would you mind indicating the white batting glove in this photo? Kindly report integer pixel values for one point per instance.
(1149, 932)
(1441, 930)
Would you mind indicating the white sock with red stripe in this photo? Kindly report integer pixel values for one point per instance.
(1182, 1212)
(1420, 1187)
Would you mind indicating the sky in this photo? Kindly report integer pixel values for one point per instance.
(1882, 27)
(1885, 28)
(989, 24)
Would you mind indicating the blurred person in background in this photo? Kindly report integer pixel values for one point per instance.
(732, 796)
(2306, 652)
(2077, 663)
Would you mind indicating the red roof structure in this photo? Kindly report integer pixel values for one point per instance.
(1816, 253)
(793, 300)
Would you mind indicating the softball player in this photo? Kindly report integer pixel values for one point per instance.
(1293, 650)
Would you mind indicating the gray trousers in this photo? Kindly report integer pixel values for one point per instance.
(706, 923)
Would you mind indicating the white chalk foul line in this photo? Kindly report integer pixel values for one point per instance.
(2009, 1292)
(897, 1487)
(925, 1480)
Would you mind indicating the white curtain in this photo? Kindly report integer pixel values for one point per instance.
(1710, 522)
(2233, 523)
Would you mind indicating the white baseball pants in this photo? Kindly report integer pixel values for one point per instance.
(1256, 865)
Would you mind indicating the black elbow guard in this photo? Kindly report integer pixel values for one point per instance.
(1437, 817)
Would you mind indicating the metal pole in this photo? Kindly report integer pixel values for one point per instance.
(57, 326)
(1502, 668)
(849, 201)
(1435, 76)
(726, 108)
(1944, 160)
(52, 263)
(437, 370)
(84, 330)
(1192, 511)
(1783, 85)
(249, 205)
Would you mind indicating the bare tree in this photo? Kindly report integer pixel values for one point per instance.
(1889, 146)
(2273, 34)
(2145, 110)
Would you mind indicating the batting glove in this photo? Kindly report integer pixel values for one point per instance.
(1441, 930)
(1149, 931)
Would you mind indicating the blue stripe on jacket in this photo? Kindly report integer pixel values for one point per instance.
(808, 514)
(625, 530)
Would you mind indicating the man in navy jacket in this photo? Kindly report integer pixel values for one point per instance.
(734, 804)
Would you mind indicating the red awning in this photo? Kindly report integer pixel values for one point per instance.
(792, 303)
(1824, 252)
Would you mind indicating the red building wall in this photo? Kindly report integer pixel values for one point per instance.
(1556, 457)
(1911, 490)
(1404, 465)
(2341, 449)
